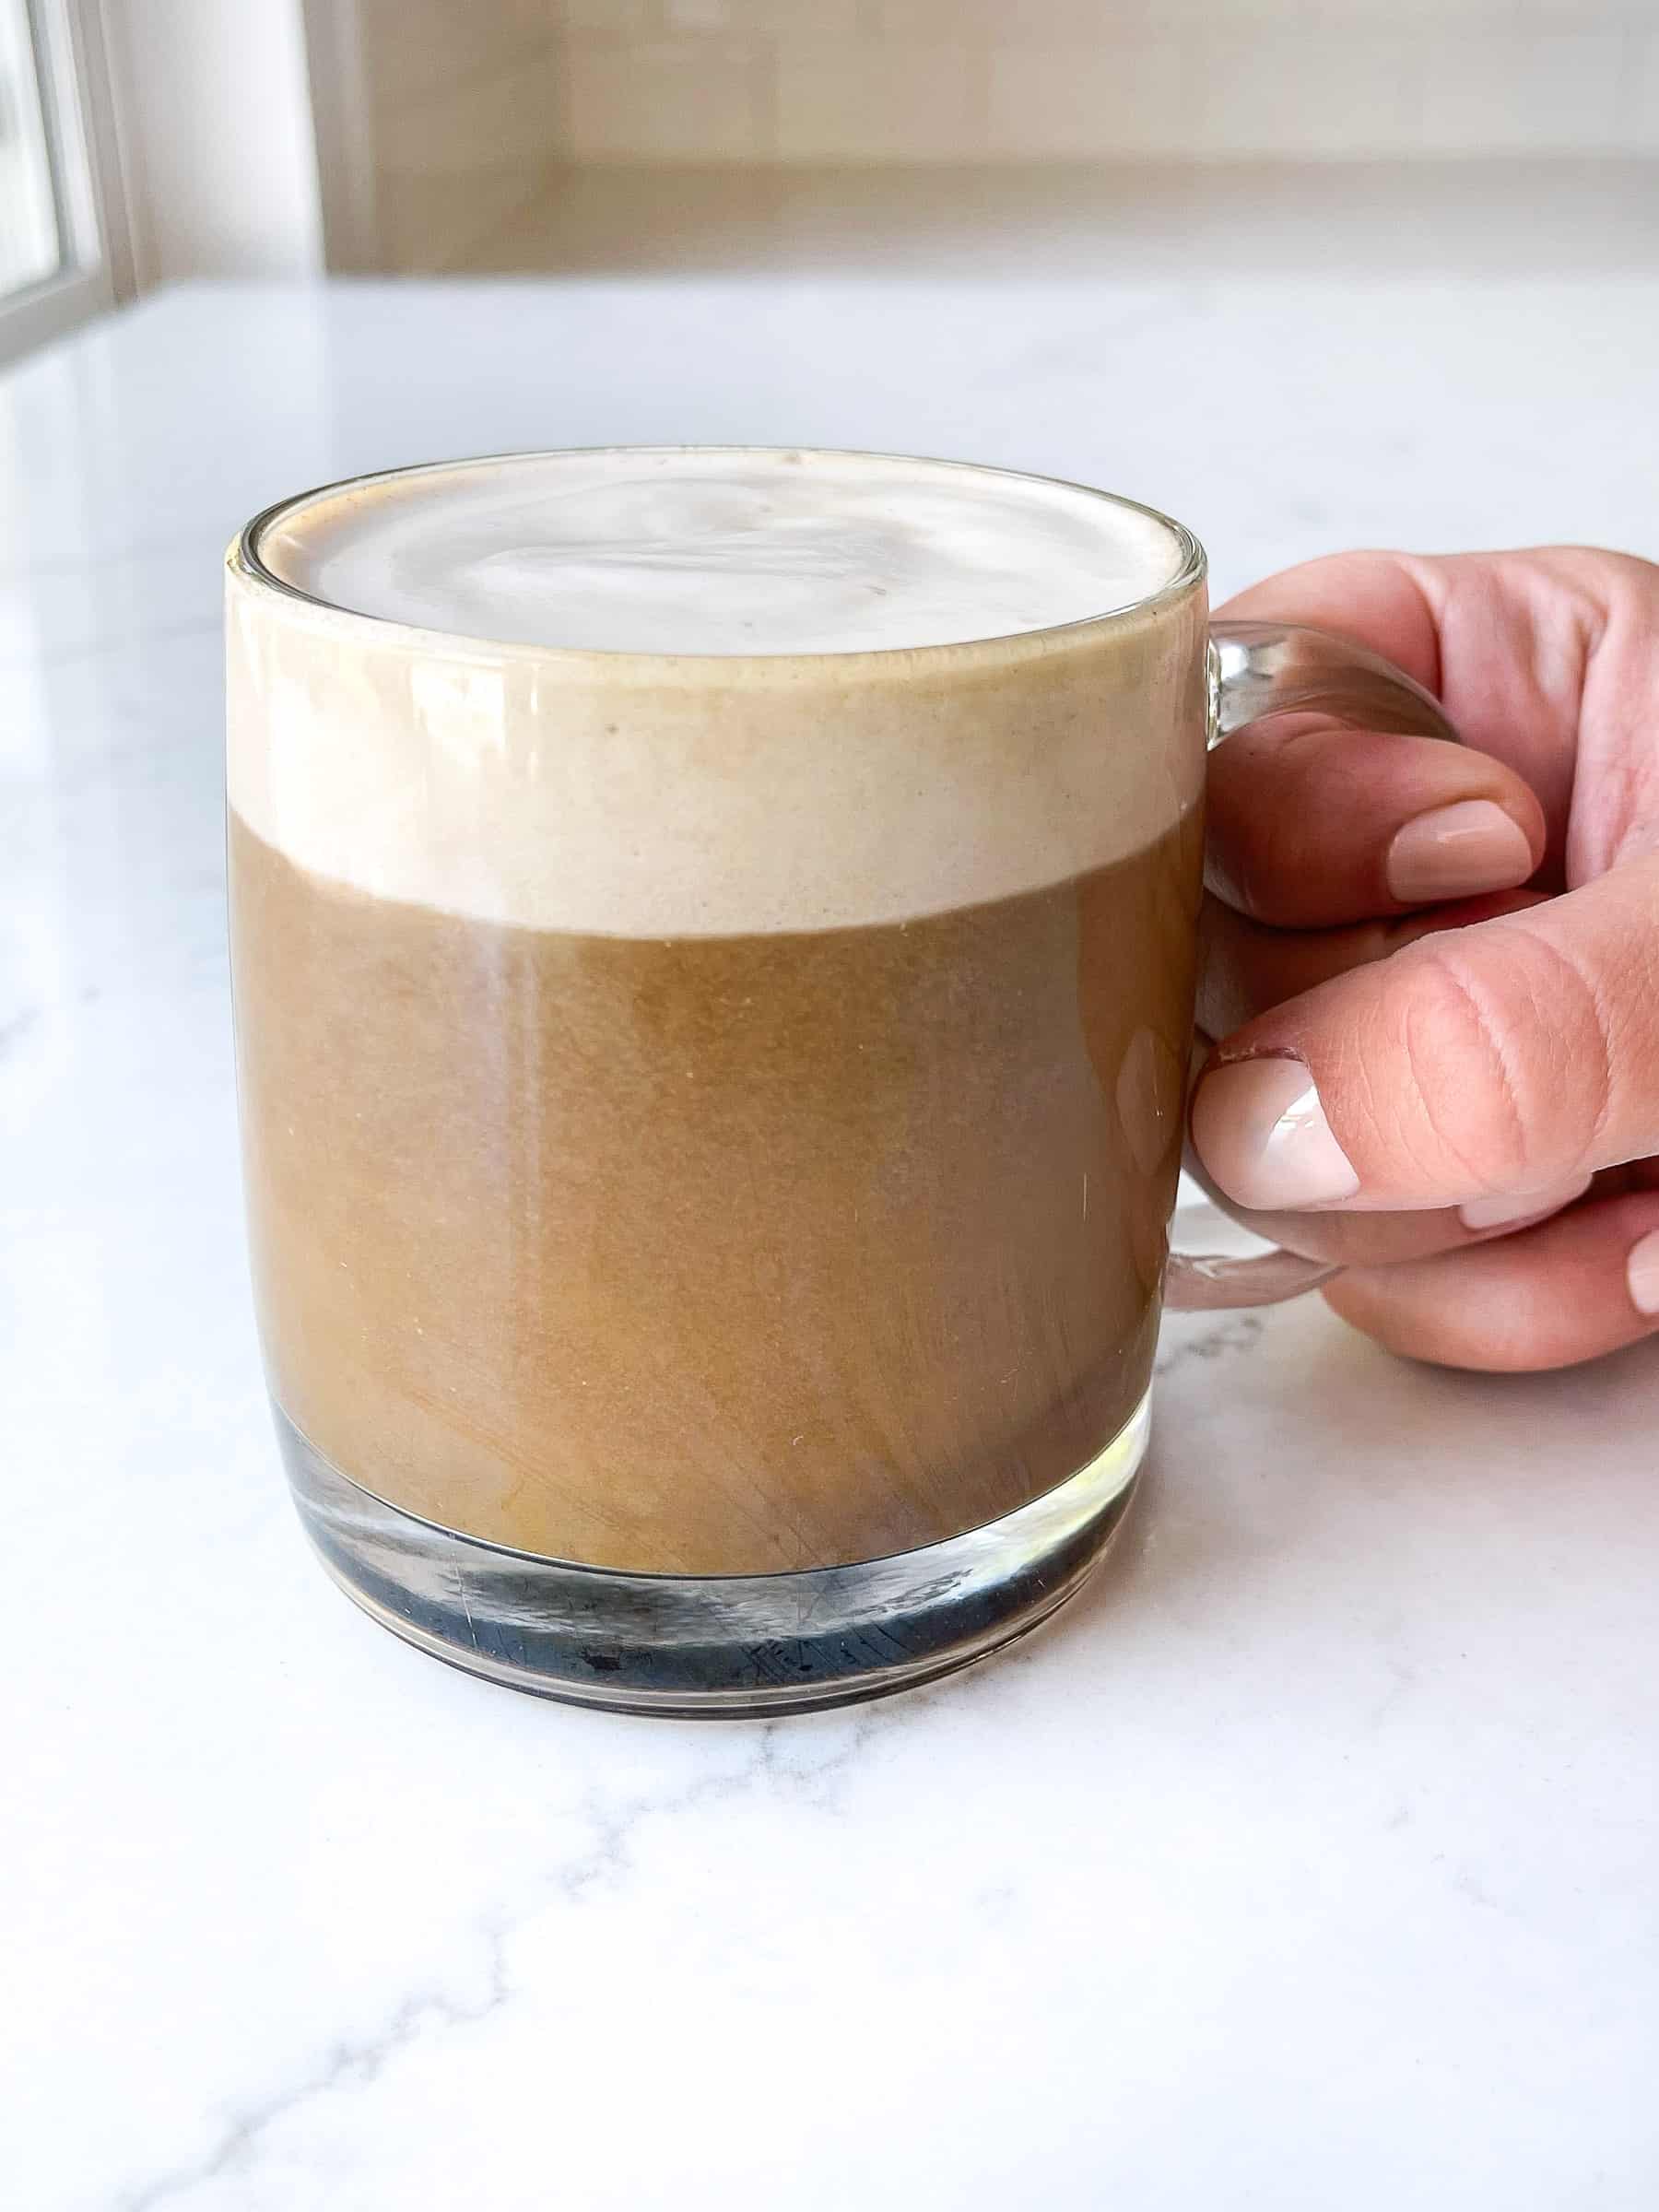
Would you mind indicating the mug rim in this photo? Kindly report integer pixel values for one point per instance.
(244, 560)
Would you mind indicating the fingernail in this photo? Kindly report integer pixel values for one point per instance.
(1458, 850)
(1262, 1134)
(1643, 1270)
(1522, 1205)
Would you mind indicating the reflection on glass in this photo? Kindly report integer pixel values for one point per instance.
(30, 246)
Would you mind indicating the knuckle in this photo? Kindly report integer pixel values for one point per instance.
(1460, 1106)
(1509, 1047)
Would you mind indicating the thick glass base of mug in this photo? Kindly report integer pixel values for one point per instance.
(725, 1647)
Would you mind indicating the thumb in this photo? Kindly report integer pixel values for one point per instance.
(1509, 1057)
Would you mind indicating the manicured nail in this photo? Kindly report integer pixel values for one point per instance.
(1262, 1133)
(1456, 852)
(1522, 1205)
(1643, 1271)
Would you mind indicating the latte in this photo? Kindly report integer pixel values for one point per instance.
(714, 954)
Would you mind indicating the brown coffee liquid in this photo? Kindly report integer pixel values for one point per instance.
(719, 1255)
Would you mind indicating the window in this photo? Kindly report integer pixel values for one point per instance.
(55, 228)
(30, 251)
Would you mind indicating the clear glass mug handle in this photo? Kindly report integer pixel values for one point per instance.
(1260, 668)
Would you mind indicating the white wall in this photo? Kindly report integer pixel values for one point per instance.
(212, 114)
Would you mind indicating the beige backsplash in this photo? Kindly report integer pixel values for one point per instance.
(473, 105)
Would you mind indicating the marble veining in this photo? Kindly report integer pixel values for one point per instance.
(603, 1860)
(1306, 1859)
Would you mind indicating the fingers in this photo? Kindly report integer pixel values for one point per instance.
(1310, 823)
(1526, 649)
(1430, 1098)
(1378, 1239)
(1585, 1283)
(1477, 1062)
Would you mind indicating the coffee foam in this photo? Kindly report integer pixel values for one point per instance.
(671, 551)
(659, 796)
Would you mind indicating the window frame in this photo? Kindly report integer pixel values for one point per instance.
(86, 180)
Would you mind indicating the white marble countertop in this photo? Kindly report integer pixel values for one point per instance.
(1308, 1861)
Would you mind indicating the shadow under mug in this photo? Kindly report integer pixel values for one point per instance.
(711, 1123)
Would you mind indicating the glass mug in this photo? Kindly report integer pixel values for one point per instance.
(711, 1120)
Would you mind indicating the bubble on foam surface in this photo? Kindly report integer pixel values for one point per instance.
(722, 552)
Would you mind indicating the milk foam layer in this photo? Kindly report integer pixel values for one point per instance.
(706, 795)
(722, 552)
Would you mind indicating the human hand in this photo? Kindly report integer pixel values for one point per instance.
(1460, 1102)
